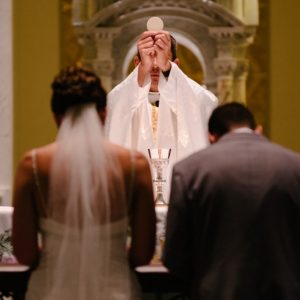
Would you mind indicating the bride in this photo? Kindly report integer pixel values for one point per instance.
(83, 207)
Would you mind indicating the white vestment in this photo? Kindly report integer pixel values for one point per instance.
(184, 109)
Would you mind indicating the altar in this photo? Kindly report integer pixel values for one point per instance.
(156, 282)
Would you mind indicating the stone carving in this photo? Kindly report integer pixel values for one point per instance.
(231, 61)
(103, 67)
(225, 67)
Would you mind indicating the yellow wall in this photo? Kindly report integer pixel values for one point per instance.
(36, 61)
(285, 73)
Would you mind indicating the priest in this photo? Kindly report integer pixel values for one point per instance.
(157, 105)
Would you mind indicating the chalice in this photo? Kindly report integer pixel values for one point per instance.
(159, 158)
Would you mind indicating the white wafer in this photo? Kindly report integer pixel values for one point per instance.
(155, 24)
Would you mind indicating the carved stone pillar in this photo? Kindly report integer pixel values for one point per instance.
(241, 73)
(225, 75)
(98, 43)
(6, 103)
(79, 12)
(231, 65)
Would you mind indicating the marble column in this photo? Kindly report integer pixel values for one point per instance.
(79, 12)
(6, 102)
(98, 46)
(224, 68)
(231, 64)
(241, 73)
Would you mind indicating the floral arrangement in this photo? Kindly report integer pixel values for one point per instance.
(6, 248)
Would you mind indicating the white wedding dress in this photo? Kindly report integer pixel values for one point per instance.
(122, 284)
(83, 248)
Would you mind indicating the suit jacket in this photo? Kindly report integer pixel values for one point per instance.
(233, 224)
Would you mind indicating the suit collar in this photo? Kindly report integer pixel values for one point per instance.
(239, 136)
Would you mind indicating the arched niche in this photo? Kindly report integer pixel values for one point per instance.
(212, 31)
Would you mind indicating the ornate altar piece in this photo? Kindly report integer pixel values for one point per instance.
(159, 158)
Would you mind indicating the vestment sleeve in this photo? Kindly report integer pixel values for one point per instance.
(124, 103)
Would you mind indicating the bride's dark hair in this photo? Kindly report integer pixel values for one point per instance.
(74, 86)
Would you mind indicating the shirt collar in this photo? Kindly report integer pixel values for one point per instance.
(242, 130)
(153, 97)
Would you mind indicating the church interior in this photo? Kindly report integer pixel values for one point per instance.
(241, 50)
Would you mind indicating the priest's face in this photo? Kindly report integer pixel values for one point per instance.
(155, 71)
(154, 79)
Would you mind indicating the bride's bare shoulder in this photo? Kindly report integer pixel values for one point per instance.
(43, 157)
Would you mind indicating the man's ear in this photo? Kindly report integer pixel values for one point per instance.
(213, 138)
(258, 129)
(176, 61)
(136, 60)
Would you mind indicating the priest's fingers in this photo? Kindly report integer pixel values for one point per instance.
(164, 36)
(162, 45)
(146, 58)
(145, 47)
(147, 34)
(162, 58)
(148, 51)
(146, 42)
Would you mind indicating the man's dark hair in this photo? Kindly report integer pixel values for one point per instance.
(75, 86)
(230, 115)
(173, 48)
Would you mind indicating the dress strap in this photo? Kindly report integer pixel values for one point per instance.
(36, 176)
(132, 179)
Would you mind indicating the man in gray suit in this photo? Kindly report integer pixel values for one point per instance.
(233, 225)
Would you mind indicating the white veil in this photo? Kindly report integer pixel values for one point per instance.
(85, 182)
